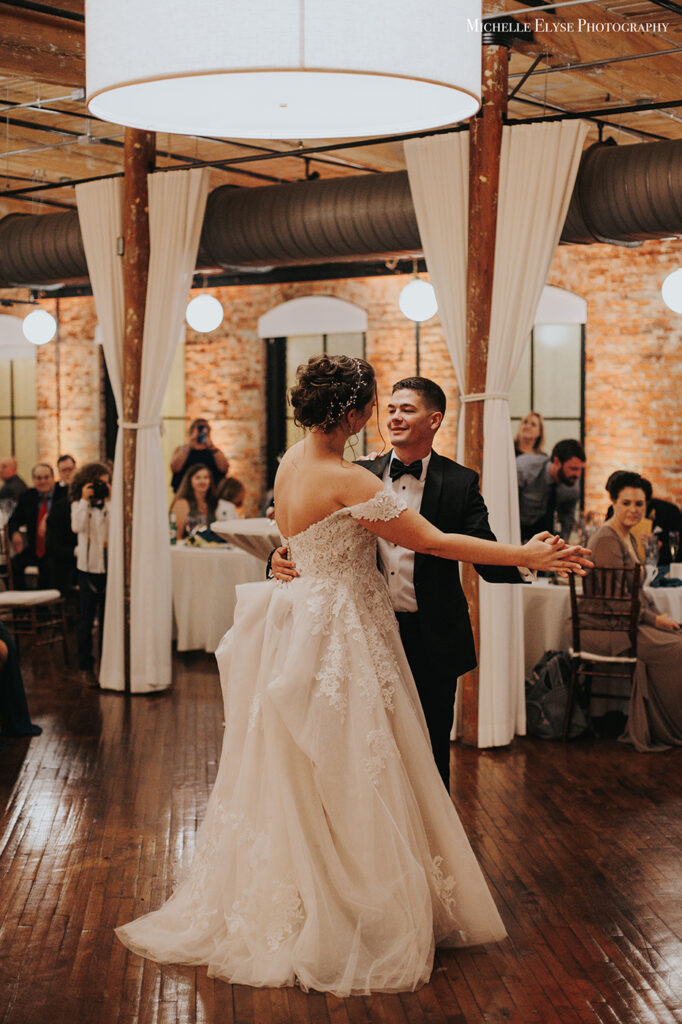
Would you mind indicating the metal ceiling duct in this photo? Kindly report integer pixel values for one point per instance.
(622, 195)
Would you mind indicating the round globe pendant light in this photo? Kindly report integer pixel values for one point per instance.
(417, 300)
(39, 327)
(204, 314)
(671, 291)
(283, 69)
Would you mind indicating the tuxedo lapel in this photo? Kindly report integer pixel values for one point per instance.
(433, 486)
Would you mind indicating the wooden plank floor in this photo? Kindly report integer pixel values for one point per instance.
(581, 845)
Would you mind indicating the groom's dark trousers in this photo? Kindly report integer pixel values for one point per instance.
(437, 638)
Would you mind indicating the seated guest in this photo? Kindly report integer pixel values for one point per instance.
(195, 503)
(90, 492)
(28, 527)
(66, 465)
(655, 717)
(549, 485)
(199, 451)
(666, 518)
(230, 496)
(14, 717)
(530, 437)
(12, 484)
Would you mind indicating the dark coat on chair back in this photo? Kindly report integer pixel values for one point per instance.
(453, 503)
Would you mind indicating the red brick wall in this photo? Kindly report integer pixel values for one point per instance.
(633, 385)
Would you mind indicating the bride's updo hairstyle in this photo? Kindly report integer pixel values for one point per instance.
(328, 387)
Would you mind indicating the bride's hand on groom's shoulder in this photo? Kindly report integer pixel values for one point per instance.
(369, 457)
(283, 568)
(550, 553)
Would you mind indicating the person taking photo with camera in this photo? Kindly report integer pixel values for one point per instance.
(90, 492)
(199, 451)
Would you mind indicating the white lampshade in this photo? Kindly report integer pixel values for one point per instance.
(204, 314)
(671, 291)
(283, 69)
(417, 300)
(39, 327)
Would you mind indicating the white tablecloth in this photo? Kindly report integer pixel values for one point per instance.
(547, 616)
(204, 595)
(255, 536)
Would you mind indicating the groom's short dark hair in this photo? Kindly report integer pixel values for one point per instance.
(432, 393)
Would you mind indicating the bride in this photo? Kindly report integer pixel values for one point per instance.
(331, 855)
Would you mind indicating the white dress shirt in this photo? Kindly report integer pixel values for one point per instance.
(397, 564)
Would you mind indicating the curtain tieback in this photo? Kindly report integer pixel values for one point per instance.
(143, 426)
(481, 396)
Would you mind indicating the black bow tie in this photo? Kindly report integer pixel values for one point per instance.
(398, 469)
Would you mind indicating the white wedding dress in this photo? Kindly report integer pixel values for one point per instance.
(331, 854)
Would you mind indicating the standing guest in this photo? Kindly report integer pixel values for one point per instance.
(200, 451)
(90, 493)
(530, 437)
(655, 718)
(196, 502)
(28, 526)
(230, 496)
(12, 484)
(66, 465)
(14, 717)
(549, 485)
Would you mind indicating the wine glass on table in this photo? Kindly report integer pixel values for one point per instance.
(651, 551)
(673, 544)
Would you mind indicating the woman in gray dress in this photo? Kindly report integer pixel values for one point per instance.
(655, 718)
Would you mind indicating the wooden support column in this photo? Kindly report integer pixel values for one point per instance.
(139, 155)
(485, 138)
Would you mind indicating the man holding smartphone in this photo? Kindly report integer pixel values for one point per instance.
(200, 450)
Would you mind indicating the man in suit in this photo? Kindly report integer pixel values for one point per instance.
(426, 592)
(28, 526)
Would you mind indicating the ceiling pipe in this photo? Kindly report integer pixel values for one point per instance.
(622, 195)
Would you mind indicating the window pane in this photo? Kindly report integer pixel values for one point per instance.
(5, 438)
(5, 397)
(24, 387)
(519, 395)
(558, 430)
(346, 345)
(26, 447)
(299, 350)
(557, 369)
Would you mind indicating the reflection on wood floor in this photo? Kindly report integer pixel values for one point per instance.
(581, 845)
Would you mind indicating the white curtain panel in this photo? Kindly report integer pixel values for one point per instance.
(176, 211)
(537, 173)
(100, 212)
(438, 170)
(538, 168)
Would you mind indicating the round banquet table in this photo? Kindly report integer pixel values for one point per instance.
(255, 536)
(204, 594)
(547, 616)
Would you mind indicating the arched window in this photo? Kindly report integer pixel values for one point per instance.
(295, 331)
(551, 377)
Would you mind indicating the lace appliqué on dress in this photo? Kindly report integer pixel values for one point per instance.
(272, 912)
(383, 506)
(381, 748)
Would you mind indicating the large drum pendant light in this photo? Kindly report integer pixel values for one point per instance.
(283, 69)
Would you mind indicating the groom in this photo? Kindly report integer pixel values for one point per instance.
(427, 596)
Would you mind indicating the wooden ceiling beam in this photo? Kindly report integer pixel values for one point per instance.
(42, 47)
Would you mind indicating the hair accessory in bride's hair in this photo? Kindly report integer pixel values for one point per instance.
(339, 406)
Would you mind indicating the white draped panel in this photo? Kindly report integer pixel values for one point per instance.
(176, 210)
(100, 212)
(538, 167)
(537, 173)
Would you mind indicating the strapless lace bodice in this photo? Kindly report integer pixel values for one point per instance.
(339, 547)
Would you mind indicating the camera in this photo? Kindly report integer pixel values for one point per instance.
(100, 493)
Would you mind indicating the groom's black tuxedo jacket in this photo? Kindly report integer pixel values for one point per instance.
(453, 503)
